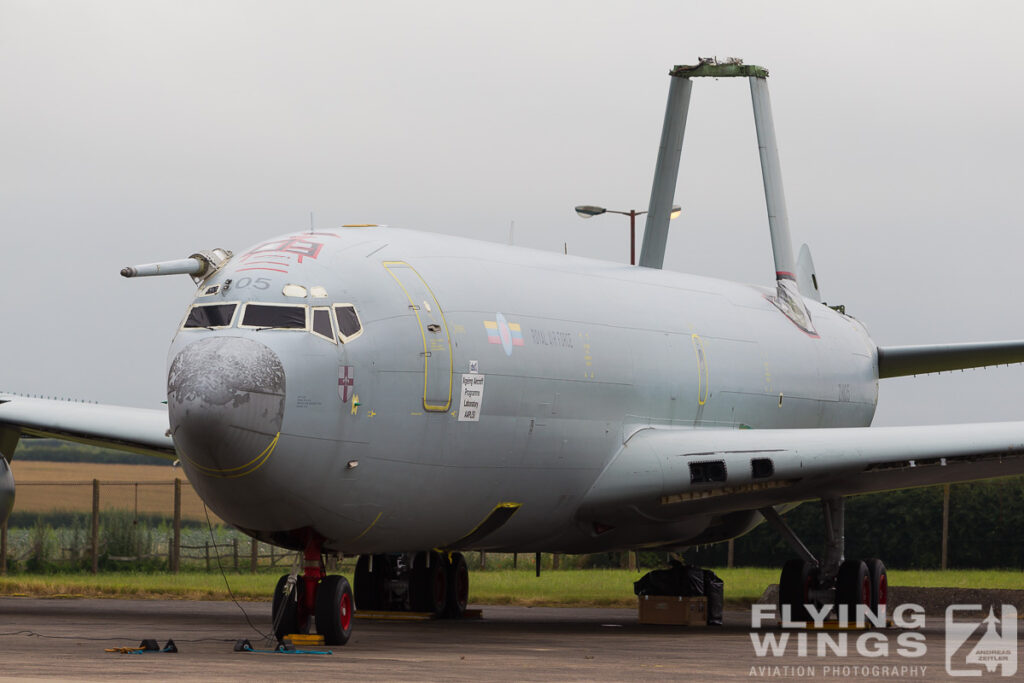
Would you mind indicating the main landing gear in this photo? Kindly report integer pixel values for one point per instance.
(431, 582)
(832, 581)
(325, 601)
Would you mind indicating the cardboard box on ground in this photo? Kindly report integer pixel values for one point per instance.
(680, 595)
(675, 610)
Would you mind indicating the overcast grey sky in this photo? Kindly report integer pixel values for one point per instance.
(138, 131)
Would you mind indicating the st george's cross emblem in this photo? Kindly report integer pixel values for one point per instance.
(346, 381)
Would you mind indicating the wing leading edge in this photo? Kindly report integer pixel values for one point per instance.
(136, 430)
(665, 474)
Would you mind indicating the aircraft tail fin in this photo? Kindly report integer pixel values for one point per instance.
(899, 361)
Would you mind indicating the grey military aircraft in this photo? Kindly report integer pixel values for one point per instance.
(405, 396)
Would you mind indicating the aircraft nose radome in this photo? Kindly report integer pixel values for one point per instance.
(225, 398)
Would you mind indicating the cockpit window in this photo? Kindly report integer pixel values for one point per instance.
(274, 316)
(322, 324)
(349, 326)
(210, 316)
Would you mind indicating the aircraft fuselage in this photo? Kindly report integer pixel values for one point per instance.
(481, 375)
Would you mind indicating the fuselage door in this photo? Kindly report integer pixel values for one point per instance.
(437, 345)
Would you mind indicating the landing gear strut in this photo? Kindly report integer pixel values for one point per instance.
(314, 599)
(431, 582)
(833, 580)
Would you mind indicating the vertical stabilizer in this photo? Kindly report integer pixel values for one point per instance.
(666, 172)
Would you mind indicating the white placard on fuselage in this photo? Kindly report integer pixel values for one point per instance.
(472, 397)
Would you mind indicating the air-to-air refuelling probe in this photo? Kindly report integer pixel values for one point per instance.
(404, 396)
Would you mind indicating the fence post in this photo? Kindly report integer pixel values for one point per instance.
(176, 550)
(3, 548)
(555, 560)
(945, 524)
(732, 553)
(234, 543)
(208, 556)
(254, 556)
(95, 526)
(515, 560)
(483, 559)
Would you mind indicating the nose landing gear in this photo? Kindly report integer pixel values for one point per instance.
(432, 582)
(314, 599)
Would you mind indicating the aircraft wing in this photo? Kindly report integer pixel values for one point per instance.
(665, 474)
(136, 430)
(899, 361)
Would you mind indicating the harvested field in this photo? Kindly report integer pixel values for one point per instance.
(67, 487)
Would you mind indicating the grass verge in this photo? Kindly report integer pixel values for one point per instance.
(563, 588)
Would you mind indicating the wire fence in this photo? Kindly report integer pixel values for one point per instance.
(155, 525)
(51, 548)
(94, 525)
(145, 524)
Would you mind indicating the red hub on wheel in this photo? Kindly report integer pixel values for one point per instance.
(345, 612)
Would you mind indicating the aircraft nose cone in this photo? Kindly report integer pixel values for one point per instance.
(225, 399)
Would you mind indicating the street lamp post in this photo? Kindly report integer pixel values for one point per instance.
(588, 211)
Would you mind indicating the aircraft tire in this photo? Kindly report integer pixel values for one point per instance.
(417, 580)
(795, 583)
(458, 586)
(429, 583)
(334, 610)
(879, 583)
(365, 586)
(853, 585)
(285, 609)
